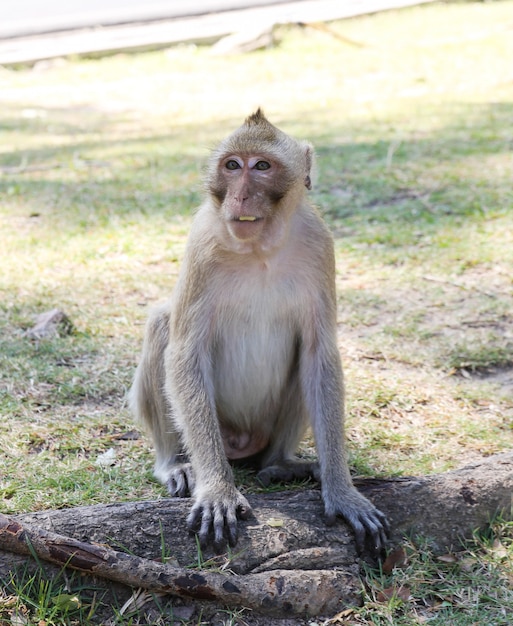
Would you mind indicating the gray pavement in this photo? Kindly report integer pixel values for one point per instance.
(32, 30)
(28, 17)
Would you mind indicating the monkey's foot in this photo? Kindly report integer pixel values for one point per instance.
(180, 480)
(287, 471)
(215, 513)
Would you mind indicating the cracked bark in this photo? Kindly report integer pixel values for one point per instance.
(287, 561)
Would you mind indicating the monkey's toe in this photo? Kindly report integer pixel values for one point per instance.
(180, 481)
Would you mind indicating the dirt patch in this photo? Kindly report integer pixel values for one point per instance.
(503, 378)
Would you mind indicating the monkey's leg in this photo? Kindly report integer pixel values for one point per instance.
(323, 390)
(172, 467)
(280, 463)
(288, 470)
(153, 410)
(218, 504)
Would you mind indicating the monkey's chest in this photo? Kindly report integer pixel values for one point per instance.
(253, 362)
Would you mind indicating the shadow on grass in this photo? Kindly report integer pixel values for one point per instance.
(90, 164)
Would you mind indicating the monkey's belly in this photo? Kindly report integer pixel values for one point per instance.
(242, 445)
(252, 369)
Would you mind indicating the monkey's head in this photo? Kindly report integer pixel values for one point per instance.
(256, 174)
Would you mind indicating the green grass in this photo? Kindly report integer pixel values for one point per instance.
(100, 169)
(465, 588)
(34, 599)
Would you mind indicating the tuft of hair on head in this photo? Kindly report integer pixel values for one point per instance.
(256, 118)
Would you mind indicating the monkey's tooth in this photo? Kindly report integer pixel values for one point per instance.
(247, 218)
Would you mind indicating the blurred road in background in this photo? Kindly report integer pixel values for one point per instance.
(31, 30)
(27, 17)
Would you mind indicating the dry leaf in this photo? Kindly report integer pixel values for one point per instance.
(106, 459)
(403, 593)
(340, 618)
(396, 558)
(499, 550)
(468, 563)
(448, 558)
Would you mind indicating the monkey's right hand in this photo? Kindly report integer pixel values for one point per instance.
(215, 513)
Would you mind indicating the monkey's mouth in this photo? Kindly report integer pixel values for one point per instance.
(245, 227)
(247, 218)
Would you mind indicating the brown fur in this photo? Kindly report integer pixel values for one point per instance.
(243, 358)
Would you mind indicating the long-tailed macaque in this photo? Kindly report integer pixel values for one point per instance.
(244, 356)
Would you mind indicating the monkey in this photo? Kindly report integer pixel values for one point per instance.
(243, 358)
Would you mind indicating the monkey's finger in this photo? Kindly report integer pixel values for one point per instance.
(376, 537)
(376, 533)
(206, 526)
(194, 517)
(218, 525)
(232, 528)
(384, 539)
(384, 522)
(200, 522)
(359, 534)
(385, 527)
(353, 520)
(380, 529)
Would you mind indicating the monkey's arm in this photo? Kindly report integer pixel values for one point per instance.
(217, 502)
(322, 383)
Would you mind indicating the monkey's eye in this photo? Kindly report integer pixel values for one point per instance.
(232, 165)
(262, 165)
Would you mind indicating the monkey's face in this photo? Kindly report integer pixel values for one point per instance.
(249, 189)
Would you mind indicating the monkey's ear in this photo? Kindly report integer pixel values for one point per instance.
(308, 164)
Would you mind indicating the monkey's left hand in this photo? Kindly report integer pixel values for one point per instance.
(369, 524)
(215, 512)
